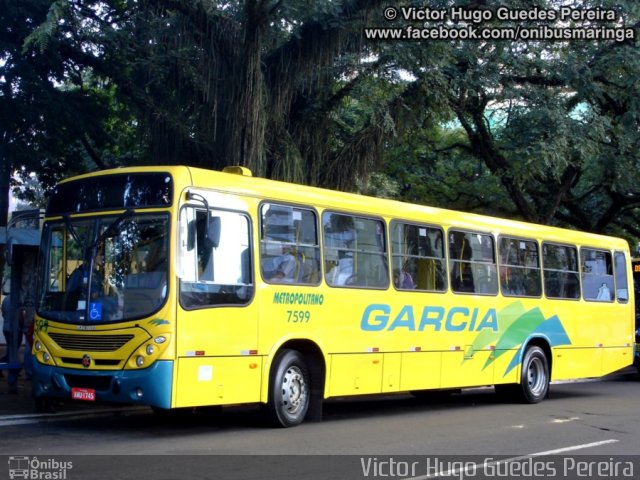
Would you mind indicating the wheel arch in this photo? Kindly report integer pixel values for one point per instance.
(544, 345)
(316, 363)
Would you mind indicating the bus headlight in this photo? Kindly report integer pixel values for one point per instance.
(41, 352)
(149, 351)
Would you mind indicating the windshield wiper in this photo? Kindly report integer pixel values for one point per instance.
(71, 229)
(110, 231)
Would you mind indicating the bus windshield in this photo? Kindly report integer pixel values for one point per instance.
(103, 269)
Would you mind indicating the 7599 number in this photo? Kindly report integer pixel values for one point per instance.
(299, 316)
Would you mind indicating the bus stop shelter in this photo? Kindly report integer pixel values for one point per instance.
(19, 243)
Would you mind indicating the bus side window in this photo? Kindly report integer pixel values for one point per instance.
(472, 263)
(355, 252)
(560, 270)
(597, 275)
(417, 253)
(520, 274)
(214, 271)
(622, 286)
(289, 247)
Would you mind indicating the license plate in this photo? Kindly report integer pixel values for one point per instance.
(85, 394)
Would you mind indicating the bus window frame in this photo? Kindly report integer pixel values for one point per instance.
(579, 271)
(251, 247)
(451, 261)
(384, 254)
(444, 258)
(540, 269)
(318, 225)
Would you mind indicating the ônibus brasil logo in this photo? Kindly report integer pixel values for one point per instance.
(38, 469)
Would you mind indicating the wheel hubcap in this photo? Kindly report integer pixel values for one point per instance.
(294, 390)
(536, 377)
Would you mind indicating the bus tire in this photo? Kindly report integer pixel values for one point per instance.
(289, 389)
(534, 379)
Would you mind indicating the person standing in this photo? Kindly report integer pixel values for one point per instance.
(28, 312)
(6, 327)
(13, 338)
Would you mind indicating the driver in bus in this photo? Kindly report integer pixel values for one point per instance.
(78, 280)
(80, 276)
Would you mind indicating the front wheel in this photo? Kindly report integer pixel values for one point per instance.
(289, 389)
(534, 380)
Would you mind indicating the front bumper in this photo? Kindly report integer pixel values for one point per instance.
(150, 386)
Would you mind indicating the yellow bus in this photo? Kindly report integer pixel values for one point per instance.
(181, 287)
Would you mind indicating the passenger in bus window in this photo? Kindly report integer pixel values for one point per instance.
(280, 268)
(342, 273)
(279, 260)
(604, 294)
(402, 279)
(340, 235)
(340, 232)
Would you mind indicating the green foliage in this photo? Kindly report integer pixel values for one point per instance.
(538, 130)
(56, 117)
(41, 37)
(549, 130)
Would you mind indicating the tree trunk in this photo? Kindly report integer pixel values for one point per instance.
(246, 125)
(5, 185)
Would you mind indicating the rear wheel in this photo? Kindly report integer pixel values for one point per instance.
(534, 380)
(289, 389)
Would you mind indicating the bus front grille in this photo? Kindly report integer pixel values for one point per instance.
(90, 343)
(98, 362)
(88, 381)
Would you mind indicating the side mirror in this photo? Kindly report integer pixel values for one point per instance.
(213, 232)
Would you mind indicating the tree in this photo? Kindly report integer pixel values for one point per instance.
(54, 117)
(539, 130)
(555, 124)
(231, 82)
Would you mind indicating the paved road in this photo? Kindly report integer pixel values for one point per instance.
(585, 418)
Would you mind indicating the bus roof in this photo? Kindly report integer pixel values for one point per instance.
(332, 199)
